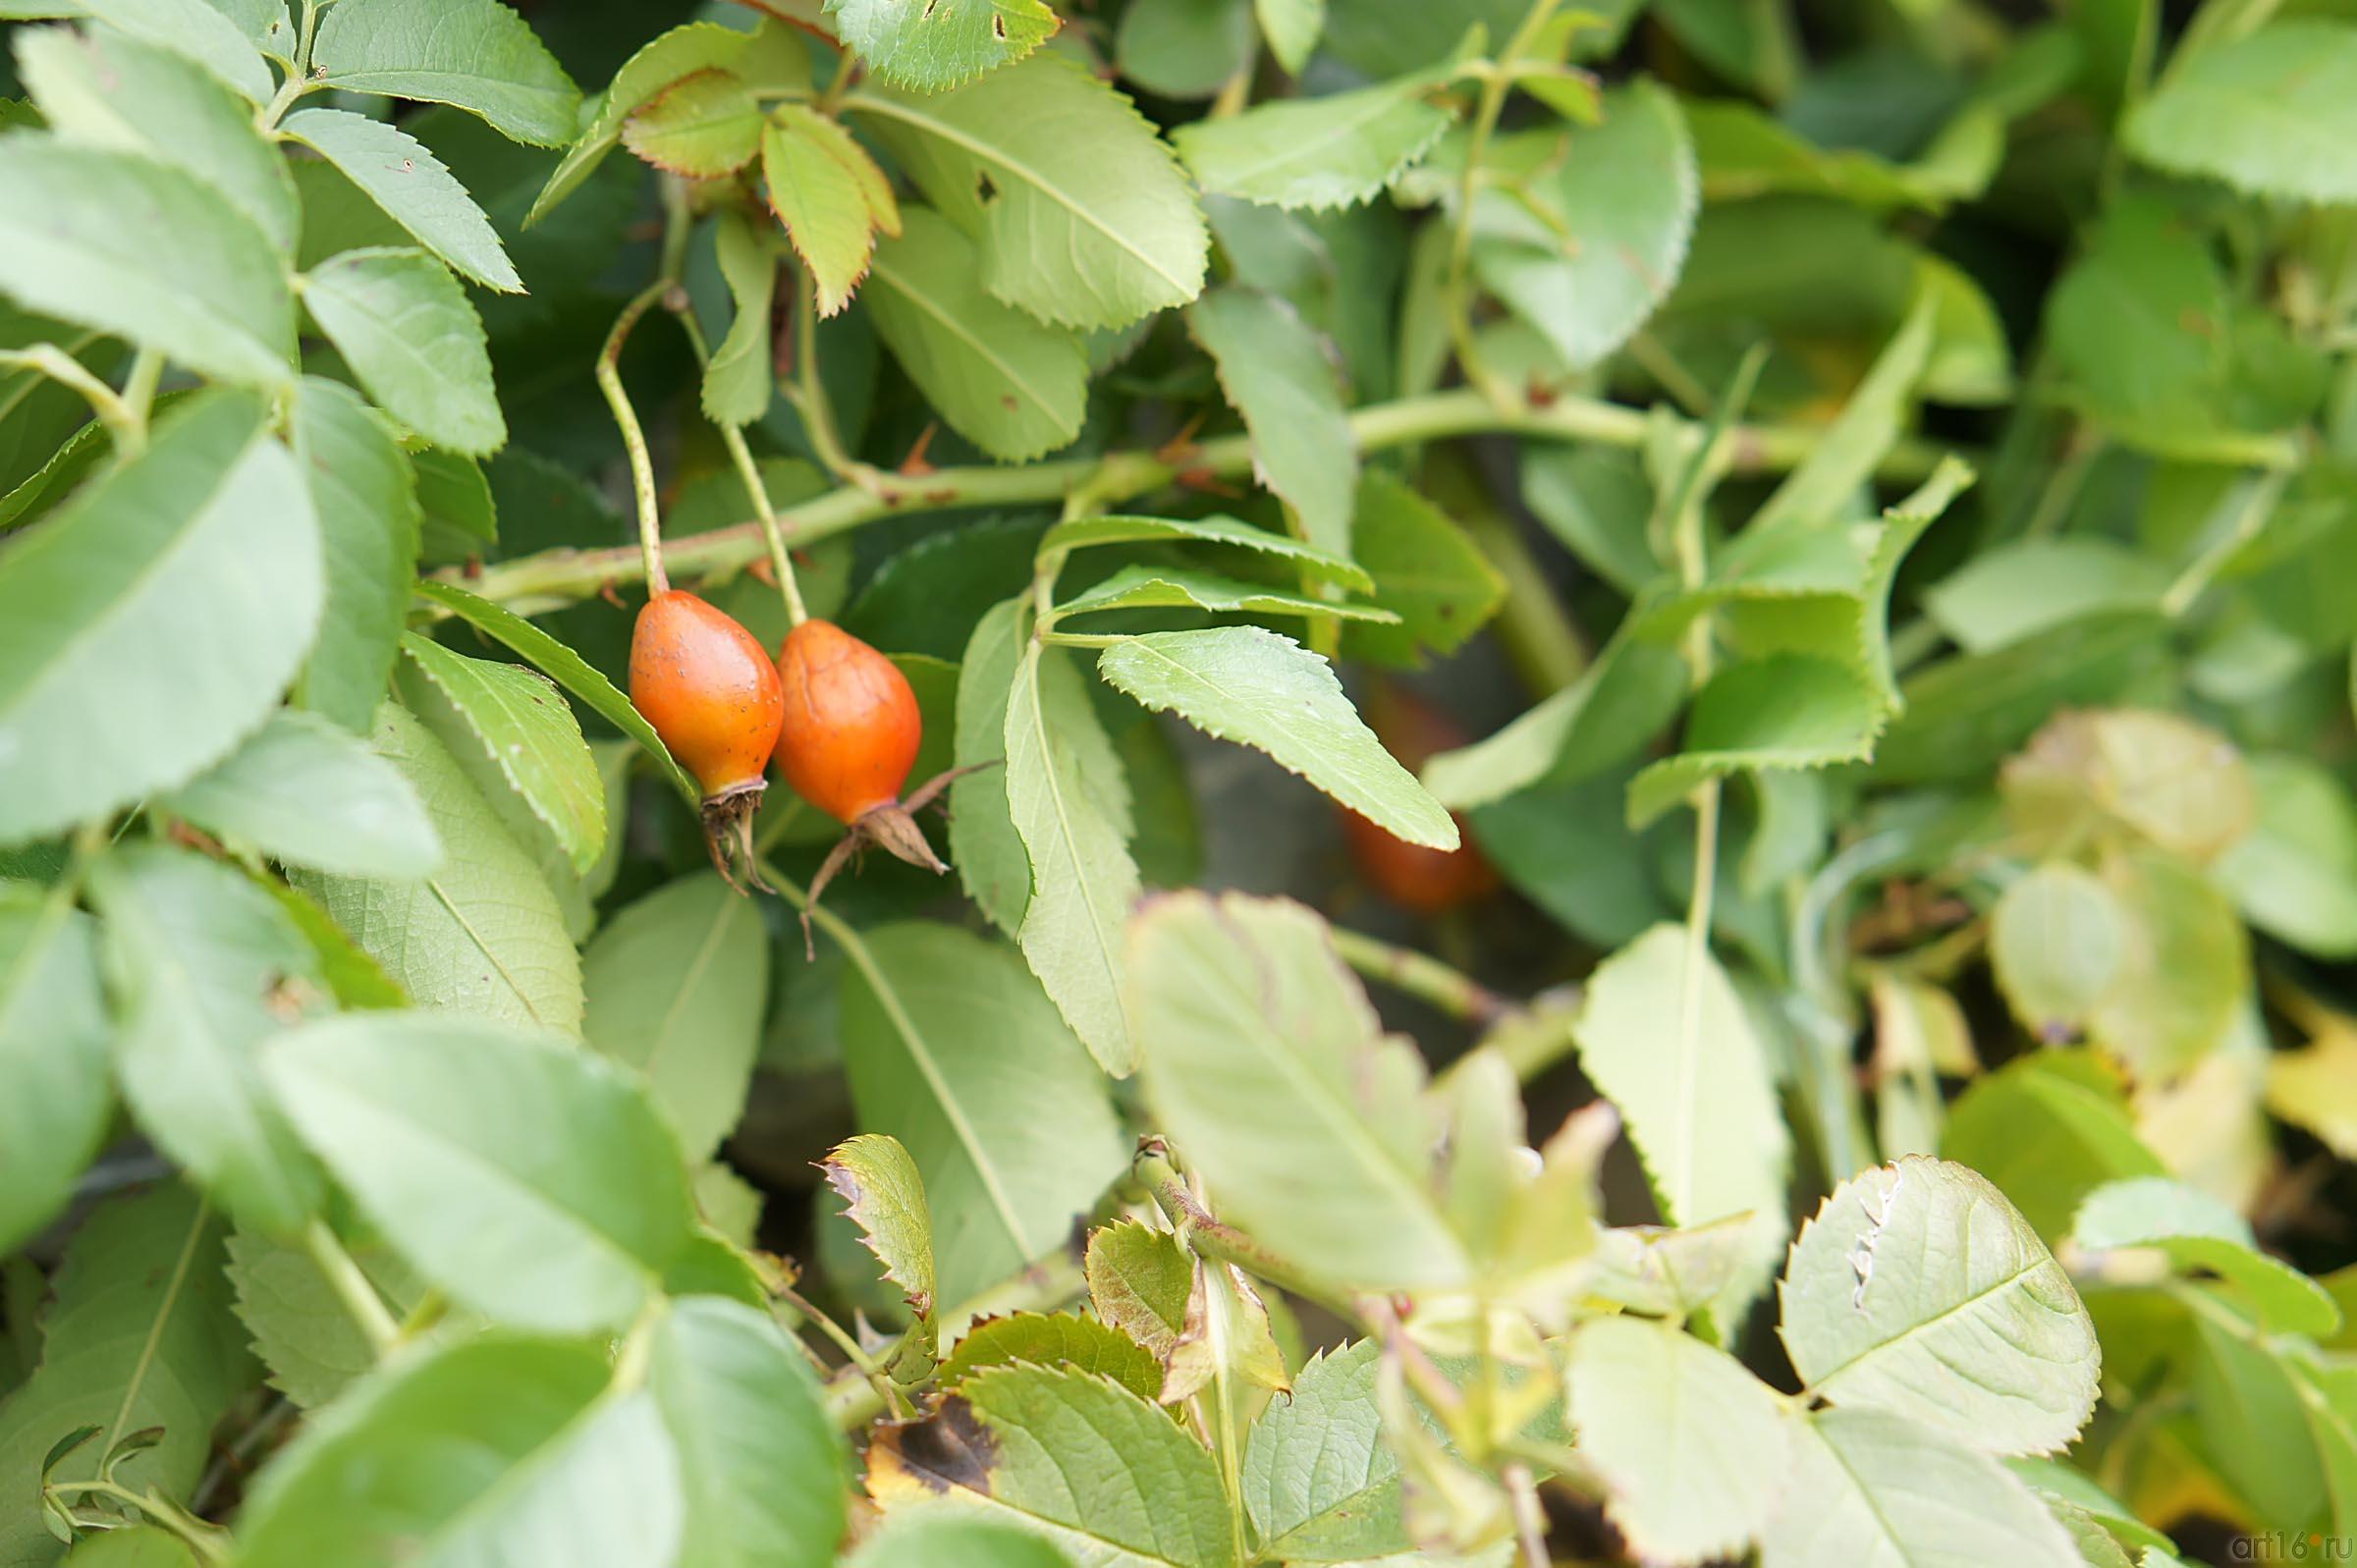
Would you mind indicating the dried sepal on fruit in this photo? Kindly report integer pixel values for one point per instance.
(709, 689)
(848, 736)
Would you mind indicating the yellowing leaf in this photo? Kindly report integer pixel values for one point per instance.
(885, 1197)
(830, 195)
(703, 125)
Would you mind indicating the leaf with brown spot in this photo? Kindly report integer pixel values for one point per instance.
(1068, 1455)
(885, 1197)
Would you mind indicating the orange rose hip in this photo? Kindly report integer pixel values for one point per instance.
(850, 724)
(710, 691)
(851, 733)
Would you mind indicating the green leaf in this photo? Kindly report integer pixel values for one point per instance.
(565, 667)
(299, 1326)
(1145, 587)
(1917, 1288)
(1320, 1483)
(1054, 1339)
(1068, 799)
(1787, 710)
(2048, 1129)
(2294, 875)
(689, 47)
(884, 1195)
(2198, 1232)
(1331, 151)
(1676, 1053)
(176, 593)
(477, 55)
(108, 90)
(365, 500)
(1267, 1066)
(192, 29)
(210, 970)
(1666, 1272)
(509, 1450)
(991, 863)
(1076, 533)
(305, 792)
(2137, 335)
(2031, 586)
(461, 515)
(760, 1465)
(138, 1334)
(675, 986)
(1688, 1443)
(412, 186)
(357, 980)
(1254, 688)
(951, 1049)
(1867, 1485)
(1625, 696)
(483, 935)
(941, 45)
(1283, 377)
(2057, 942)
(1002, 380)
(1963, 713)
(1069, 1456)
(523, 728)
(1138, 1281)
(1184, 49)
(1291, 28)
(78, 241)
(1427, 570)
(2270, 112)
(927, 1538)
(1089, 223)
(740, 382)
(1587, 248)
(54, 1034)
(1744, 152)
(1821, 490)
(406, 328)
(535, 1183)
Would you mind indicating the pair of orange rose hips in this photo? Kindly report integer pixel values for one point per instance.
(837, 717)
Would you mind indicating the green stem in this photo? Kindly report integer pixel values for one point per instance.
(809, 392)
(781, 563)
(139, 388)
(1422, 976)
(1486, 110)
(206, 1540)
(1211, 1237)
(298, 79)
(1530, 1515)
(634, 435)
(126, 425)
(2249, 519)
(351, 1287)
(553, 578)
